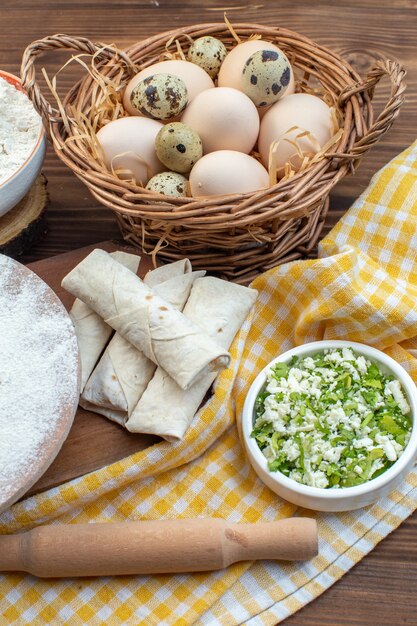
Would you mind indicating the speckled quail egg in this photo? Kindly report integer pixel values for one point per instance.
(195, 79)
(208, 53)
(169, 184)
(266, 76)
(178, 147)
(230, 74)
(160, 96)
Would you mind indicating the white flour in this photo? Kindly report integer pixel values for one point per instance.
(20, 126)
(38, 372)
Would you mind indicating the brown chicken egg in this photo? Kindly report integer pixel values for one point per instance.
(128, 146)
(301, 119)
(224, 118)
(226, 172)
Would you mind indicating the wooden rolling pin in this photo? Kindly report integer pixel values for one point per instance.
(154, 547)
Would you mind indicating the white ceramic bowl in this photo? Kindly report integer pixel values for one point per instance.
(14, 188)
(345, 498)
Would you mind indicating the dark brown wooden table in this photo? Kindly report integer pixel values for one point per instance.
(381, 590)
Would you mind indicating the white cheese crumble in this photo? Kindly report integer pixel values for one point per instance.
(394, 388)
(331, 420)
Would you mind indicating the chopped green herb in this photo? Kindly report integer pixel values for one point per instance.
(280, 370)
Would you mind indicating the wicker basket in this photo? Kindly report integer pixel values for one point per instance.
(235, 235)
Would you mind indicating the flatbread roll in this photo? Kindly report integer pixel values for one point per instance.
(92, 332)
(165, 409)
(148, 322)
(123, 372)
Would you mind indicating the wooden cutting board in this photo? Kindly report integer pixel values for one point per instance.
(93, 440)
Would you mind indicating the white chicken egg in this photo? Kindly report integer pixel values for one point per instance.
(224, 118)
(302, 112)
(128, 145)
(193, 76)
(226, 172)
(230, 74)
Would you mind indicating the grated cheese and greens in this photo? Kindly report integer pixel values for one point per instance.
(331, 420)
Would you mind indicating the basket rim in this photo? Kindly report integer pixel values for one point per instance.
(241, 26)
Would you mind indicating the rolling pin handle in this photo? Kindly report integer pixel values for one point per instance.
(12, 552)
(287, 540)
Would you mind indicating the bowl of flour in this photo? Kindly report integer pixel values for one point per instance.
(22, 142)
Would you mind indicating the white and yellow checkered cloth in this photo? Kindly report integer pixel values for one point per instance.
(364, 287)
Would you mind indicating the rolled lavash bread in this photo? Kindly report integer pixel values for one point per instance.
(148, 322)
(165, 409)
(91, 330)
(123, 372)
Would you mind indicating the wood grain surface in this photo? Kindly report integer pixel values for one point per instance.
(381, 590)
(24, 225)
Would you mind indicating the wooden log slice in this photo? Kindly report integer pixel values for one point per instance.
(25, 224)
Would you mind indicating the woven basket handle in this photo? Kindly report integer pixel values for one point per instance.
(396, 74)
(48, 113)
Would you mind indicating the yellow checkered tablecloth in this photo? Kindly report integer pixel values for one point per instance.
(364, 288)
